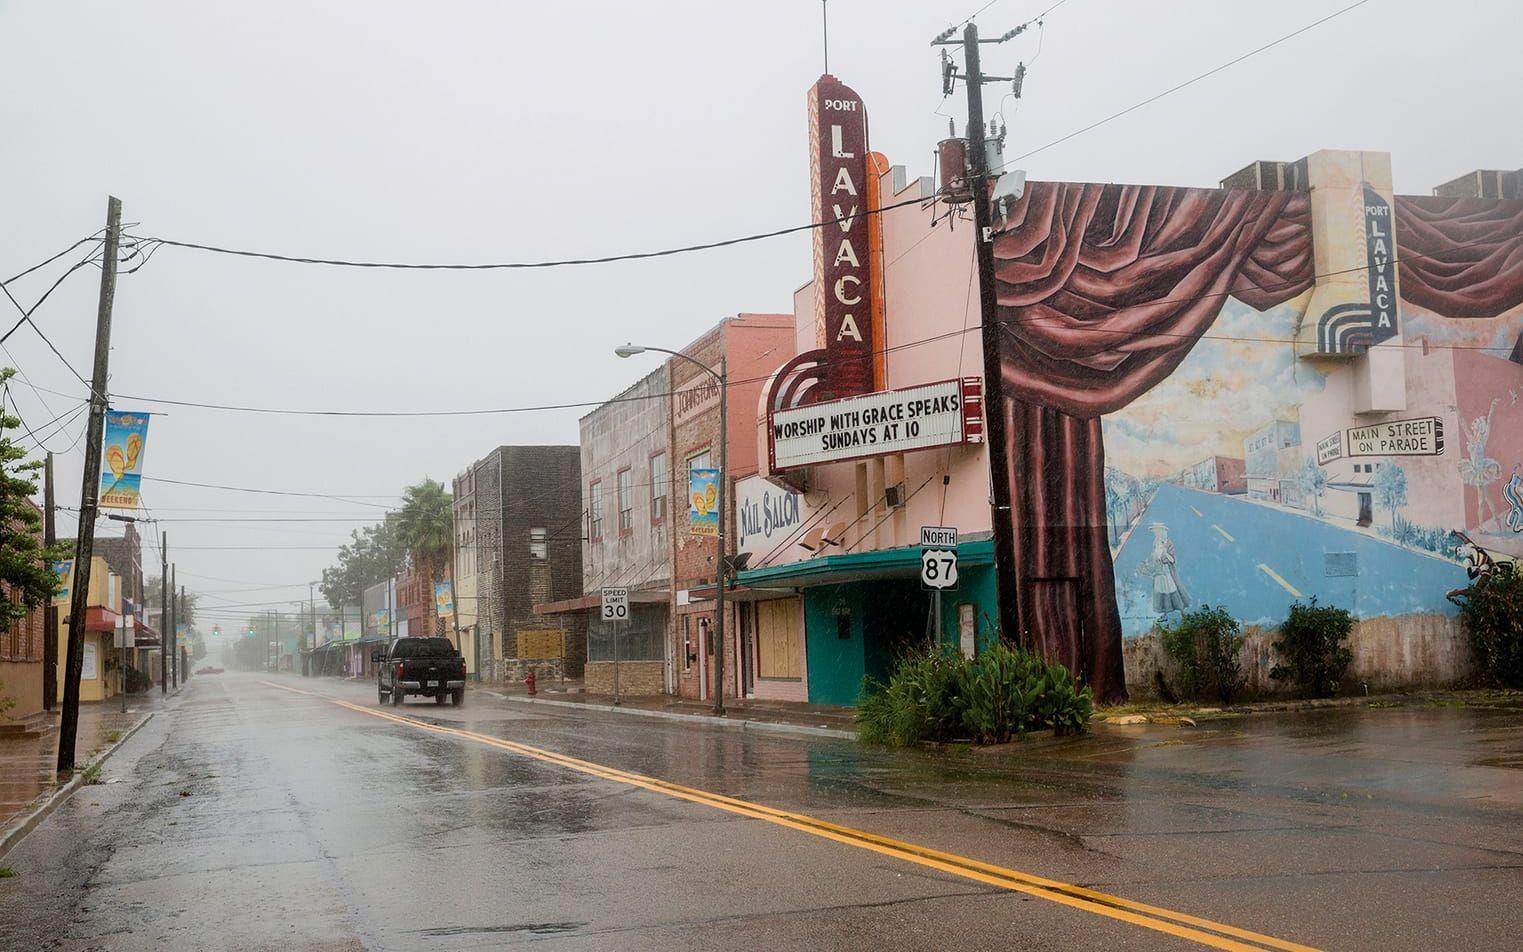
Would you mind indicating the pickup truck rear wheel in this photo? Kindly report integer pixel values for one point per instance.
(380, 695)
(456, 698)
(439, 698)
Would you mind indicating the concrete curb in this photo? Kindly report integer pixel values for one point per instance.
(1188, 716)
(731, 723)
(13, 835)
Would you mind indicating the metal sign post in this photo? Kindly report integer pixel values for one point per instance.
(124, 639)
(615, 610)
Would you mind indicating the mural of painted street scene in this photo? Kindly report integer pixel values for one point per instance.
(1246, 431)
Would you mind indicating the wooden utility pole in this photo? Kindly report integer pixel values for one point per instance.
(50, 611)
(174, 626)
(164, 632)
(1006, 579)
(183, 654)
(84, 546)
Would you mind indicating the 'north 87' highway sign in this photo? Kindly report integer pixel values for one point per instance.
(938, 568)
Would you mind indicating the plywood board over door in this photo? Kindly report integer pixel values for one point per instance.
(779, 639)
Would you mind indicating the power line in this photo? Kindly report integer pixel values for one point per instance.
(1177, 87)
(272, 492)
(519, 265)
(27, 312)
(731, 384)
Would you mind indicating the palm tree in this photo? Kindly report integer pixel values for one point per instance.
(426, 524)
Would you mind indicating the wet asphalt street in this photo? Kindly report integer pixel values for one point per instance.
(252, 817)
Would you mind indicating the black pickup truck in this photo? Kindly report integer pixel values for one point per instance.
(428, 666)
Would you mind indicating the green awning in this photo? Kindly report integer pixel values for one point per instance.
(857, 566)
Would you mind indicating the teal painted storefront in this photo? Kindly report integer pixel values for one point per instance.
(862, 609)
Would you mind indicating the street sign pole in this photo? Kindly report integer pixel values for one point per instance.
(938, 567)
(615, 610)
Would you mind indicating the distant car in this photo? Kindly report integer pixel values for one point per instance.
(428, 666)
(209, 669)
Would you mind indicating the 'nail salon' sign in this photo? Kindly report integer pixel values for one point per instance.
(767, 515)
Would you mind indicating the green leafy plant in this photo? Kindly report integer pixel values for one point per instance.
(916, 704)
(1205, 644)
(137, 681)
(1492, 612)
(935, 694)
(92, 775)
(1311, 647)
(24, 571)
(8, 872)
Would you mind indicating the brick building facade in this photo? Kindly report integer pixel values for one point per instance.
(527, 508)
(753, 345)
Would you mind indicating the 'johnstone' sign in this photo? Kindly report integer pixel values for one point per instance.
(877, 424)
(1420, 437)
(694, 398)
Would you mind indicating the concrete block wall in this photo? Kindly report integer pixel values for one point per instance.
(1390, 653)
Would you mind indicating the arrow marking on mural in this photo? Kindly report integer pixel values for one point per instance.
(1276, 576)
(1182, 925)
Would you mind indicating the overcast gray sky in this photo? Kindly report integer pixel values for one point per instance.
(492, 131)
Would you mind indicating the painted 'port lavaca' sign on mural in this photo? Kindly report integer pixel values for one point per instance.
(1420, 437)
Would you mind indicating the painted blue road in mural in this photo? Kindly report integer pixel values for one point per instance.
(1254, 558)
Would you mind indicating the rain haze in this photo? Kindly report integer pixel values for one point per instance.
(486, 132)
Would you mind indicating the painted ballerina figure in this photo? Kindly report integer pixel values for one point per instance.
(1169, 594)
(1477, 469)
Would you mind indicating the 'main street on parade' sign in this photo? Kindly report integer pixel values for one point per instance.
(877, 424)
(1423, 436)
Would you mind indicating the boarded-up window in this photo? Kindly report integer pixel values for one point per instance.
(777, 638)
(539, 643)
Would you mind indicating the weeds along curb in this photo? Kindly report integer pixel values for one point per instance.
(14, 834)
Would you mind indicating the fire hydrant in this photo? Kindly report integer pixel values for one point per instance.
(529, 681)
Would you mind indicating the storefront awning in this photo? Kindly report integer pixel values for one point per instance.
(594, 601)
(856, 566)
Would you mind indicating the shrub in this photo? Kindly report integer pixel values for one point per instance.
(1205, 644)
(137, 681)
(916, 704)
(1492, 611)
(1311, 649)
(935, 694)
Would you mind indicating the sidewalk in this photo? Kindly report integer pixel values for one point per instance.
(28, 764)
(737, 710)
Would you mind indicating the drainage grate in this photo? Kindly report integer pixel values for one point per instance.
(1340, 564)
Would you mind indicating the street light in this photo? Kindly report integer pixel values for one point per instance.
(630, 350)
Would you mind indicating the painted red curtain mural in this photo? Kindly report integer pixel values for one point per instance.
(1102, 292)
(1460, 257)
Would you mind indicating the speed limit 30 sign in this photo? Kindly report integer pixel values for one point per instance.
(938, 557)
(615, 604)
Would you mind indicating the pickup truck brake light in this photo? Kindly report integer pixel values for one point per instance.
(396, 671)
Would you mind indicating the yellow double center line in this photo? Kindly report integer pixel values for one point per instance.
(1217, 935)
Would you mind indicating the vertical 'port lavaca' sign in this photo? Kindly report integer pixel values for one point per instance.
(844, 286)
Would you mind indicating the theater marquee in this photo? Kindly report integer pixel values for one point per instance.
(877, 424)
